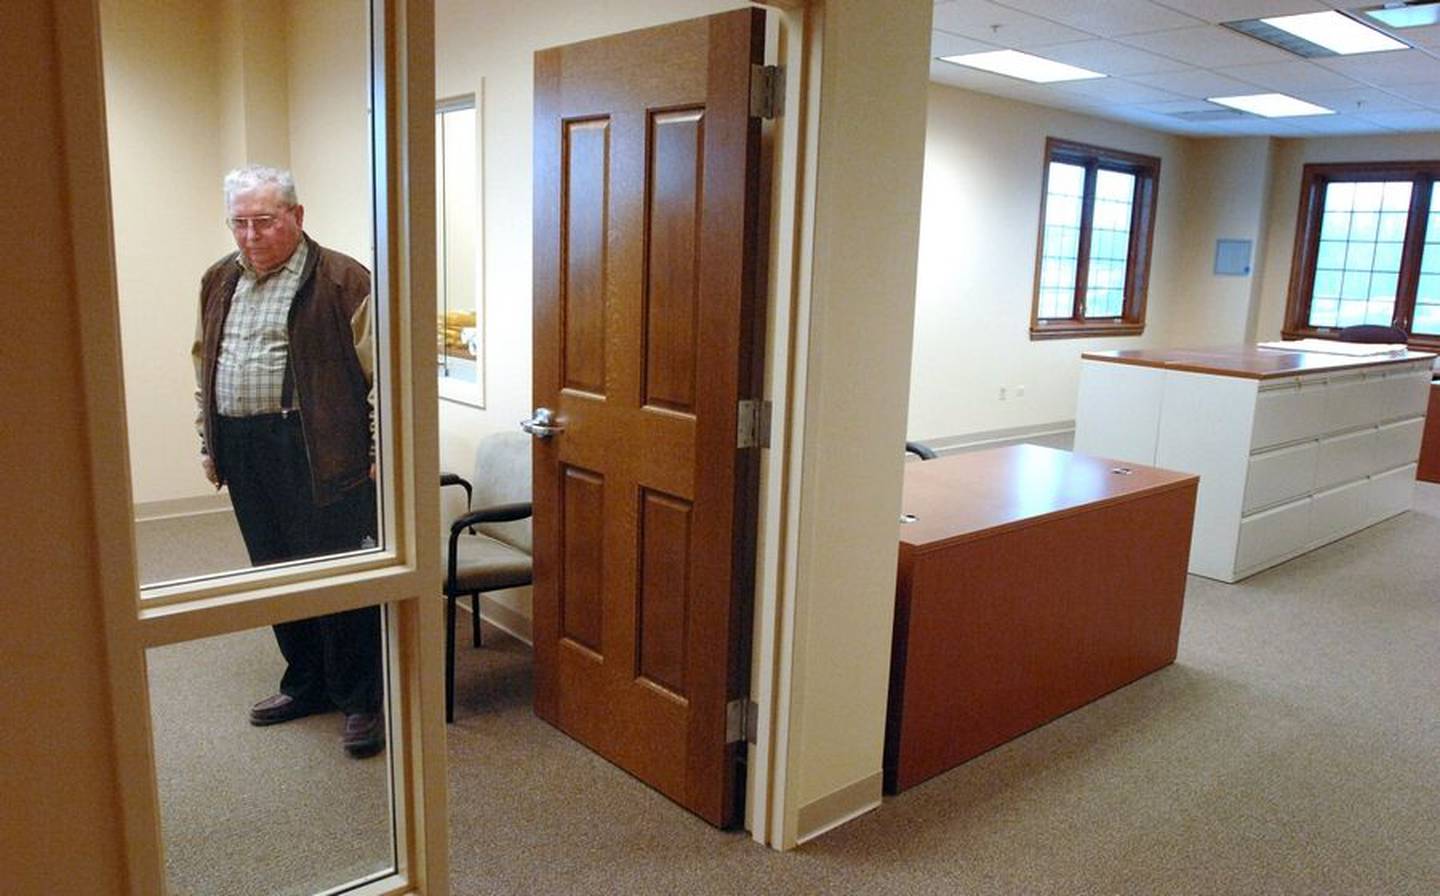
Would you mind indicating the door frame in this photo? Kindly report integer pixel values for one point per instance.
(404, 577)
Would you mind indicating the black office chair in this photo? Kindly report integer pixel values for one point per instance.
(920, 450)
(1375, 334)
(488, 546)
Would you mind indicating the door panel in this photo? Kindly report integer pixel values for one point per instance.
(647, 329)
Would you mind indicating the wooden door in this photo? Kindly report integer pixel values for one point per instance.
(647, 336)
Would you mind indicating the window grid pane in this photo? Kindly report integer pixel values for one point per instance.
(1109, 244)
(1426, 318)
(1362, 234)
(1059, 256)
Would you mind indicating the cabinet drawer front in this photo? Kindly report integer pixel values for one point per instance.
(1392, 492)
(1350, 401)
(1345, 458)
(1398, 443)
(1289, 414)
(1273, 533)
(1340, 511)
(1407, 394)
(1279, 475)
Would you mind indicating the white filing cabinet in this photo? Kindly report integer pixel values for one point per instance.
(1287, 461)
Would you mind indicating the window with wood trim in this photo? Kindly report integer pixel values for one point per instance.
(1367, 250)
(1097, 222)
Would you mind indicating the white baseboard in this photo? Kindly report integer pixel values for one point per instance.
(831, 811)
(173, 507)
(508, 619)
(967, 441)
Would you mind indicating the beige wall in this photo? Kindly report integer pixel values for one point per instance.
(228, 90)
(868, 169)
(979, 222)
(978, 242)
(1227, 190)
(1290, 158)
(60, 828)
(328, 125)
(163, 121)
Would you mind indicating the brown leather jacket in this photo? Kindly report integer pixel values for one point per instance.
(330, 365)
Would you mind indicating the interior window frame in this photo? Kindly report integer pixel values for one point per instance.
(1146, 169)
(1315, 179)
(403, 576)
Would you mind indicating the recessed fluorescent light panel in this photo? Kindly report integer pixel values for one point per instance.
(1271, 105)
(1406, 15)
(1023, 65)
(1316, 34)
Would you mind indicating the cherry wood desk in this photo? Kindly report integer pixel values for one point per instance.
(1429, 469)
(1031, 582)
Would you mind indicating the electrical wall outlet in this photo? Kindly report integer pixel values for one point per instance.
(1002, 393)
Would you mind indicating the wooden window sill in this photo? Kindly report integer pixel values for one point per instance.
(1069, 329)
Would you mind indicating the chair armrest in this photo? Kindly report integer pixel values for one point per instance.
(498, 513)
(457, 479)
(920, 450)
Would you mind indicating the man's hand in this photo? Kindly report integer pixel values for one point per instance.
(208, 464)
(372, 470)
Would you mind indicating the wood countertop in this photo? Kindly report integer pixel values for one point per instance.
(981, 493)
(1249, 361)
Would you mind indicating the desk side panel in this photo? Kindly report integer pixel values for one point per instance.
(1117, 412)
(1005, 633)
(1206, 430)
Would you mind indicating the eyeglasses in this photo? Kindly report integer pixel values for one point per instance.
(256, 223)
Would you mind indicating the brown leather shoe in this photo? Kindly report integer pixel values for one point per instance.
(282, 708)
(364, 734)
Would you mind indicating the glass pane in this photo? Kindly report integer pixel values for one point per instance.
(1060, 251)
(278, 808)
(1427, 318)
(1109, 243)
(1324, 312)
(1362, 235)
(459, 334)
(275, 256)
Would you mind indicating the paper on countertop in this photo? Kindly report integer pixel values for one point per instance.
(1333, 347)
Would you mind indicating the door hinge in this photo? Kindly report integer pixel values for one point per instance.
(767, 91)
(742, 718)
(752, 426)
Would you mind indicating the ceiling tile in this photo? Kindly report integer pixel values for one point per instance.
(1111, 58)
(1171, 107)
(983, 20)
(1111, 91)
(1207, 46)
(1424, 94)
(1196, 82)
(1429, 36)
(1289, 76)
(1332, 125)
(943, 43)
(1106, 18)
(1359, 101)
(1422, 120)
(1385, 69)
(1231, 10)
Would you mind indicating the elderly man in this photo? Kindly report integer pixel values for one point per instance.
(284, 366)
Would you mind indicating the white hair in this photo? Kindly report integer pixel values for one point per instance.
(253, 176)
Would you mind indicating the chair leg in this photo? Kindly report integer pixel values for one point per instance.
(449, 658)
(475, 619)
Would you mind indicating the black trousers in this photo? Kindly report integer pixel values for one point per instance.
(332, 659)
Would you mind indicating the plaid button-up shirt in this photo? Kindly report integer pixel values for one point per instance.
(254, 347)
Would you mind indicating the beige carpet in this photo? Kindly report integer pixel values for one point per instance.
(1294, 748)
